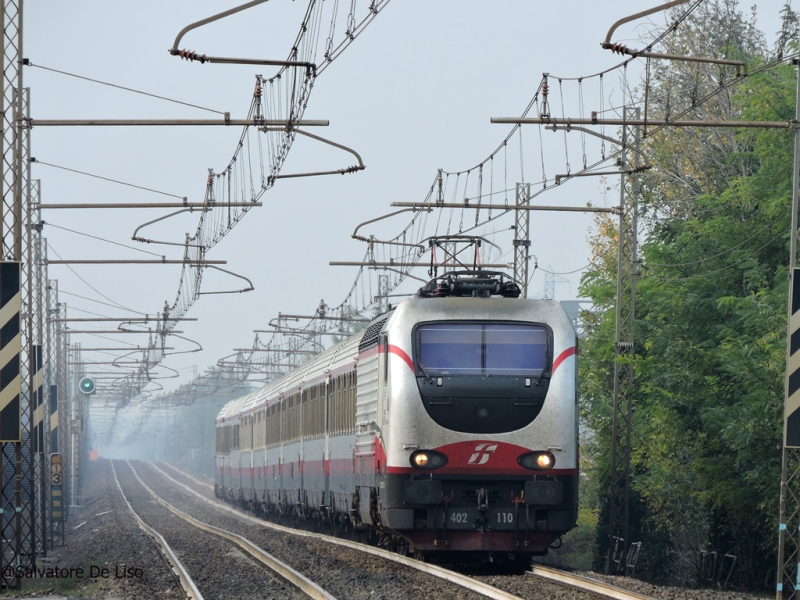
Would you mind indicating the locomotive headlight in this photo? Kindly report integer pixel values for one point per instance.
(428, 459)
(537, 461)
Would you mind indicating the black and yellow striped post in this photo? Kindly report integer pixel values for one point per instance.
(789, 522)
(10, 349)
(57, 500)
(53, 418)
(37, 398)
(792, 405)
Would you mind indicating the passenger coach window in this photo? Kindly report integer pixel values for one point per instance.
(481, 349)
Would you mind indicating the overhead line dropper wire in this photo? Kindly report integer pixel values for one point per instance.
(127, 89)
(139, 187)
(656, 129)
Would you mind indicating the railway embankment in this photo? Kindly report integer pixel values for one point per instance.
(106, 554)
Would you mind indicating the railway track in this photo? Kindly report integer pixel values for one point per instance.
(599, 589)
(186, 581)
(571, 585)
(197, 480)
(311, 589)
(215, 561)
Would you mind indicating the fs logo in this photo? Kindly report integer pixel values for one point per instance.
(482, 454)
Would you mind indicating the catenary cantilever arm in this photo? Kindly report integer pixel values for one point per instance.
(250, 287)
(355, 235)
(191, 55)
(359, 167)
(149, 241)
(639, 15)
(569, 128)
(211, 19)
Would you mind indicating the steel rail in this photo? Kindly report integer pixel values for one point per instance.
(561, 577)
(296, 578)
(183, 575)
(452, 576)
(190, 476)
(586, 584)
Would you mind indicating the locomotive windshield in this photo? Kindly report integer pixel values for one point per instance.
(482, 349)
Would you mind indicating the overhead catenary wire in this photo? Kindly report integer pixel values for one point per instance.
(127, 89)
(251, 171)
(49, 224)
(715, 271)
(61, 291)
(139, 187)
(114, 303)
(415, 224)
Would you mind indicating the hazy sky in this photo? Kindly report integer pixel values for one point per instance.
(414, 93)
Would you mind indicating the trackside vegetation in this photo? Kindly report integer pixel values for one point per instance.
(711, 302)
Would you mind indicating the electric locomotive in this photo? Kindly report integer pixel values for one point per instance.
(448, 427)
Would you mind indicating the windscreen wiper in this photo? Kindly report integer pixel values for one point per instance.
(424, 372)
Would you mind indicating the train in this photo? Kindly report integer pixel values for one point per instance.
(446, 429)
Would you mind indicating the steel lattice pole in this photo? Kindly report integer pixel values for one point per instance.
(17, 491)
(789, 517)
(627, 262)
(522, 239)
(24, 245)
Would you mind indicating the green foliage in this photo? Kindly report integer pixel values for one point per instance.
(711, 340)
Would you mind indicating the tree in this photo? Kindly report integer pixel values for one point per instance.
(711, 312)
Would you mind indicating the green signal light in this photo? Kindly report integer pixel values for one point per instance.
(87, 385)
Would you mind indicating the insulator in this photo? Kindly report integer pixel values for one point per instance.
(545, 88)
(619, 48)
(257, 93)
(191, 55)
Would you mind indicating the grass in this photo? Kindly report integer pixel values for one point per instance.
(576, 550)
